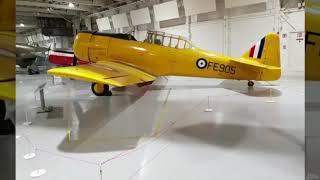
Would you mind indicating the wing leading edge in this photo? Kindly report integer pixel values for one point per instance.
(112, 73)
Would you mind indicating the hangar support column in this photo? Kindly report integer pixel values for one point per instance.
(75, 26)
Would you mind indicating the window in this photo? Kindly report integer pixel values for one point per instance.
(187, 45)
(149, 38)
(174, 43)
(181, 44)
(166, 41)
(158, 40)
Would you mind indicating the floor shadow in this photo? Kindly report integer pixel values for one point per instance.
(57, 112)
(87, 120)
(259, 90)
(230, 135)
(210, 133)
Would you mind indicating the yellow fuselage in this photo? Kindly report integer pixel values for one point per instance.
(160, 60)
(312, 40)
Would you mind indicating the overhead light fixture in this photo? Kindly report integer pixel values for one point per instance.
(21, 25)
(71, 5)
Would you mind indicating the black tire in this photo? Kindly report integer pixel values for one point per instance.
(106, 91)
(3, 110)
(109, 93)
(30, 72)
(250, 83)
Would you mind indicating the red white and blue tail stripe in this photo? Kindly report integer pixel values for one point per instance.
(257, 50)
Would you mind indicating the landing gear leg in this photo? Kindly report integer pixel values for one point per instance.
(250, 83)
(101, 89)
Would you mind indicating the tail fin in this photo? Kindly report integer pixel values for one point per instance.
(266, 51)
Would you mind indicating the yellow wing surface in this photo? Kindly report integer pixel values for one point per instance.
(112, 73)
(8, 90)
(7, 50)
(7, 78)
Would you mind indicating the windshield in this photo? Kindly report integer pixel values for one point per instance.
(168, 40)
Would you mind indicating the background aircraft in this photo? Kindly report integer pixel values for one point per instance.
(27, 56)
(62, 57)
(119, 60)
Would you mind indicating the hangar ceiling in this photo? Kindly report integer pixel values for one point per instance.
(49, 8)
(29, 11)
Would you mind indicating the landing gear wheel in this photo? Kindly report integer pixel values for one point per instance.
(100, 89)
(32, 72)
(250, 83)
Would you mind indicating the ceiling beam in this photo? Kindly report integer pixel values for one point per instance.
(55, 6)
(116, 5)
(34, 14)
(86, 3)
(46, 11)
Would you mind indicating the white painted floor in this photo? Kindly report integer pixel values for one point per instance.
(312, 129)
(161, 132)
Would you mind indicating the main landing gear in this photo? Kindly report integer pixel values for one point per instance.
(101, 89)
(250, 83)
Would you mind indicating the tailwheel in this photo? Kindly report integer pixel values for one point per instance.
(250, 83)
(100, 89)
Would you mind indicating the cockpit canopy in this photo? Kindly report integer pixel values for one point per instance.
(168, 40)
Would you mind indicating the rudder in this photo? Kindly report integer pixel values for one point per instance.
(266, 51)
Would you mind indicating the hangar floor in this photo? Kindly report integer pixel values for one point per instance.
(161, 132)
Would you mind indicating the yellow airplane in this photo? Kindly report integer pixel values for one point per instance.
(7, 54)
(8, 71)
(119, 60)
(312, 40)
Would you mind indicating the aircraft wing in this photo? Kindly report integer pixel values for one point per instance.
(112, 73)
(7, 78)
(8, 90)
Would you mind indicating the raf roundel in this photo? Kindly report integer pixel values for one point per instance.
(202, 63)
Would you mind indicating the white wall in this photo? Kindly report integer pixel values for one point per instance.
(246, 31)
(292, 50)
(208, 35)
(181, 30)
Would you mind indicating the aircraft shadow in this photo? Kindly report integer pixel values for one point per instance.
(97, 128)
(236, 86)
(229, 136)
(259, 90)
